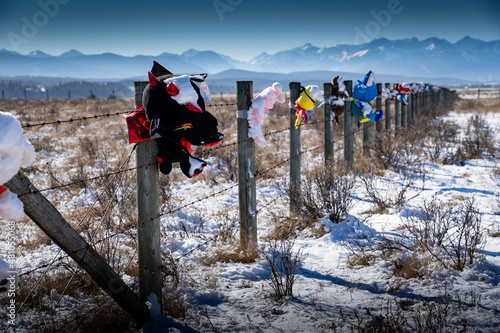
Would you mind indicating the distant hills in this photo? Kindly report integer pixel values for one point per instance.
(468, 61)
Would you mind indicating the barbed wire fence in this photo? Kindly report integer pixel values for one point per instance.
(123, 168)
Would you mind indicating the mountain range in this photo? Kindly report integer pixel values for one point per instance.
(469, 60)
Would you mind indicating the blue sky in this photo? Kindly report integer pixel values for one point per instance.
(241, 29)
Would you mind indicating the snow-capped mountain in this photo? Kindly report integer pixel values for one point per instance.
(468, 59)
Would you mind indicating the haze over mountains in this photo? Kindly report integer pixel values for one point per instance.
(466, 61)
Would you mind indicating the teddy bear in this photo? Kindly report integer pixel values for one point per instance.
(260, 106)
(175, 108)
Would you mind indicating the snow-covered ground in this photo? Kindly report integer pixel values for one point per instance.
(329, 295)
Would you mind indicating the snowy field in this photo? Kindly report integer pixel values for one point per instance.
(332, 292)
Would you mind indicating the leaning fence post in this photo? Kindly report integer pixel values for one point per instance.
(387, 113)
(348, 130)
(246, 168)
(295, 150)
(48, 218)
(148, 213)
(327, 88)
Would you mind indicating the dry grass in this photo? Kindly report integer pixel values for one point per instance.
(482, 105)
(230, 253)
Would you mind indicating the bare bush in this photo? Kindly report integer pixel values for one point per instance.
(396, 152)
(387, 193)
(283, 266)
(453, 236)
(441, 135)
(327, 192)
(479, 138)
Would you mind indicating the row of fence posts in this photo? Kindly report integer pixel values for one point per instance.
(221, 94)
(148, 202)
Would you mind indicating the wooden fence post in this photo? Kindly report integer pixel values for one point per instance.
(246, 168)
(327, 88)
(148, 212)
(412, 108)
(348, 130)
(378, 106)
(397, 114)
(48, 218)
(404, 114)
(295, 151)
(387, 113)
(366, 137)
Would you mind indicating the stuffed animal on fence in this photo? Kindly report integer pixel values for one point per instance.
(260, 106)
(393, 93)
(175, 108)
(403, 89)
(336, 101)
(305, 103)
(365, 90)
(363, 93)
(385, 93)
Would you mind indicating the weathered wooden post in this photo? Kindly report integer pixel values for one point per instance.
(478, 93)
(418, 103)
(412, 108)
(328, 121)
(404, 113)
(387, 113)
(246, 168)
(295, 151)
(378, 106)
(148, 212)
(348, 130)
(48, 218)
(3, 94)
(366, 137)
(397, 114)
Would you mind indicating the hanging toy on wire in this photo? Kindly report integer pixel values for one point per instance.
(175, 108)
(403, 89)
(305, 103)
(336, 101)
(393, 93)
(363, 93)
(260, 106)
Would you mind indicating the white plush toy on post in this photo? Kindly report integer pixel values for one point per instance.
(260, 106)
(15, 152)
